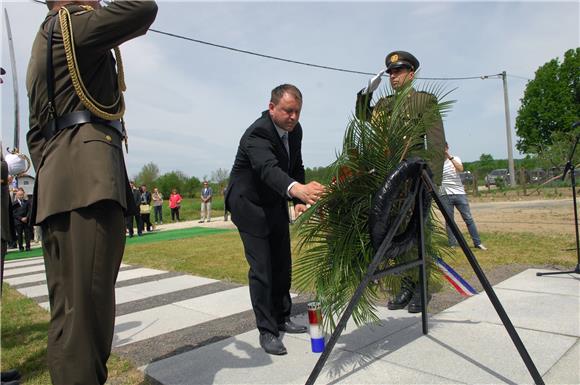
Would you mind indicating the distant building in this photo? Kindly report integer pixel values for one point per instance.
(27, 183)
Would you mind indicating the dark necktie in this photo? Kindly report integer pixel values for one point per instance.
(284, 138)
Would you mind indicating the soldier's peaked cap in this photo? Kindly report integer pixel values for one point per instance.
(400, 59)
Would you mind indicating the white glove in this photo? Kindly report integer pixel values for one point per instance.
(374, 82)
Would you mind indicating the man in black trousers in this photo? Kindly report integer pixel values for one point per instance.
(21, 211)
(267, 173)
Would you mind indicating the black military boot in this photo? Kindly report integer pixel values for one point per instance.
(401, 300)
(415, 304)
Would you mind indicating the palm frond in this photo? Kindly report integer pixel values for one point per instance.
(334, 234)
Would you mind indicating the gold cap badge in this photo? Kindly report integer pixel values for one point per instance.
(394, 58)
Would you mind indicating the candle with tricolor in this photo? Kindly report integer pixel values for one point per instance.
(316, 332)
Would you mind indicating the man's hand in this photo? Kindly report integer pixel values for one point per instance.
(307, 193)
(299, 209)
(24, 220)
(374, 82)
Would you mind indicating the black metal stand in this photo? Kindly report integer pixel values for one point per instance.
(425, 183)
(570, 167)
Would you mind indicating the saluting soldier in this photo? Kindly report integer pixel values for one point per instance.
(400, 66)
(82, 192)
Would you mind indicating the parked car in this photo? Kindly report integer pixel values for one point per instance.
(466, 177)
(537, 175)
(500, 174)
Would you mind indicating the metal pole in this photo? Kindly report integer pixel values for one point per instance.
(508, 131)
(14, 82)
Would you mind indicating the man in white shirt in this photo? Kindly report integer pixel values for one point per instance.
(453, 195)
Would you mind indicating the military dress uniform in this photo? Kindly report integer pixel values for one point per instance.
(82, 192)
(415, 107)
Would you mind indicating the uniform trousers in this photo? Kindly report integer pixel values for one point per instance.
(269, 276)
(83, 249)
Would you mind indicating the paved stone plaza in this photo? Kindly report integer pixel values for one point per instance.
(183, 329)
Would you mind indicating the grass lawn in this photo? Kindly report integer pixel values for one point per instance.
(220, 256)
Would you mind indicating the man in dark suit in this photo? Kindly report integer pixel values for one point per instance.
(266, 174)
(21, 212)
(136, 195)
(82, 192)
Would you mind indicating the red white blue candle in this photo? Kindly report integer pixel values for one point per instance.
(316, 331)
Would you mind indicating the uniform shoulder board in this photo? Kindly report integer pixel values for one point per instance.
(81, 12)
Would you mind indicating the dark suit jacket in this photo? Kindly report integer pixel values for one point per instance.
(20, 210)
(81, 165)
(257, 192)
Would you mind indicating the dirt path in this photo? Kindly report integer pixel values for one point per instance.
(536, 216)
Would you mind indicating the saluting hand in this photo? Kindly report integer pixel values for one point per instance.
(308, 193)
(374, 82)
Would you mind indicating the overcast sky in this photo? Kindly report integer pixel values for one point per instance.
(188, 104)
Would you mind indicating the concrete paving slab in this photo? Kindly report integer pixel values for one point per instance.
(163, 286)
(149, 323)
(567, 369)
(354, 338)
(565, 284)
(26, 279)
(23, 262)
(220, 304)
(476, 353)
(240, 360)
(156, 321)
(24, 270)
(34, 291)
(126, 275)
(547, 312)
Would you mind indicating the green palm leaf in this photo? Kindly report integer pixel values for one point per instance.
(334, 234)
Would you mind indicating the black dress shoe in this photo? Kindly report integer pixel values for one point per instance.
(271, 344)
(292, 328)
(401, 300)
(415, 304)
(10, 375)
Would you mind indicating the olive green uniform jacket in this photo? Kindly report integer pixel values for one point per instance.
(417, 105)
(84, 164)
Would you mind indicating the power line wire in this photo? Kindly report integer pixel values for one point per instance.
(265, 56)
(518, 77)
(301, 62)
(258, 54)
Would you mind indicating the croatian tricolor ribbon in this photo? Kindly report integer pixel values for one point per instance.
(455, 279)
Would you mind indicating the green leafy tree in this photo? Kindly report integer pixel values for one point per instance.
(220, 178)
(192, 187)
(172, 180)
(320, 174)
(148, 174)
(551, 103)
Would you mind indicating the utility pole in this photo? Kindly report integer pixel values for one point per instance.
(15, 83)
(508, 131)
